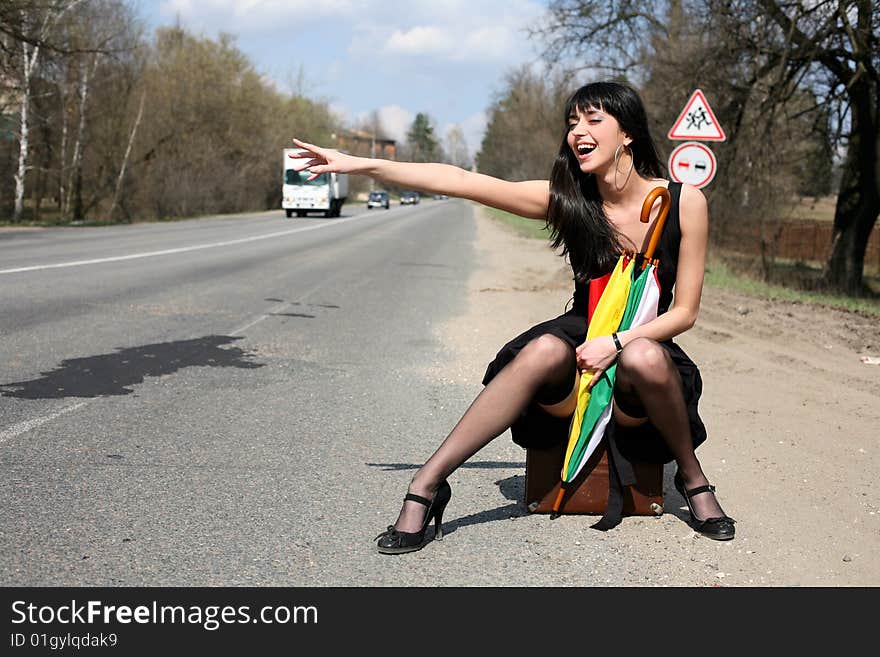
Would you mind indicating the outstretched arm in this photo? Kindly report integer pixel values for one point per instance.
(529, 198)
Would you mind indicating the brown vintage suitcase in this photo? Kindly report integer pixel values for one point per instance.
(588, 493)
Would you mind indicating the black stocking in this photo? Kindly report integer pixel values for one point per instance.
(647, 379)
(544, 370)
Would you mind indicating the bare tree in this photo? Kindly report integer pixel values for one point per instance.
(61, 32)
(125, 158)
(530, 107)
(34, 26)
(180, 126)
(456, 148)
(833, 46)
(773, 53)
(29, 58)
(74, 197)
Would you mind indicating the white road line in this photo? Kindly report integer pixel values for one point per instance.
(24, 427)
(27, 425)
(260, 318)
(284, 305)
(183, 249)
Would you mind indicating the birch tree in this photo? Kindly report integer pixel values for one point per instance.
(456, 148)
(36, 24)
(29, 57)
(74, 197)
(125, 158)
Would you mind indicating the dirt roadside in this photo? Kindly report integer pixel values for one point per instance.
(792, 412)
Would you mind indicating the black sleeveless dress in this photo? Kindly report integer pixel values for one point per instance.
(535, 428)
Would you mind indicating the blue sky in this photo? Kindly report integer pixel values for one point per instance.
(443, 57)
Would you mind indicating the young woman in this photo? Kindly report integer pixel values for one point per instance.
(606, 165)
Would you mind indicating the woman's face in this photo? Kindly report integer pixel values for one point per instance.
(594, 136)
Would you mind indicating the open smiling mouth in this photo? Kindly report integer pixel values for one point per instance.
(585, 149)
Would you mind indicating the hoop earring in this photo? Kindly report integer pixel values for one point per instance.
(632, 162)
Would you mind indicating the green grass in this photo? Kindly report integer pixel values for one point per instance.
(520, 225)
(721, 276)
(718, 274)
(812, 209)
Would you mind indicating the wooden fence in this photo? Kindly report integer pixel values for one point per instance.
(801, 241)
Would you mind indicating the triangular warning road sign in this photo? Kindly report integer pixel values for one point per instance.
(697, 121)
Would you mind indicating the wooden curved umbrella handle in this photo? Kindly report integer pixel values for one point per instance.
(665, 202)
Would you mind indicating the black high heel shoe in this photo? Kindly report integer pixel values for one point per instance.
(720, 529)
(392, 541)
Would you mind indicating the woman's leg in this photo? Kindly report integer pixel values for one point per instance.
(647, 377)
(544, 369)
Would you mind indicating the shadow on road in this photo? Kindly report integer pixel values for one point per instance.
(470, 464)
(114, 374)
(506, 512)
(513, 488)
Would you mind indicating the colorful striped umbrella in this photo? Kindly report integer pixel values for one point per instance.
(629, 299)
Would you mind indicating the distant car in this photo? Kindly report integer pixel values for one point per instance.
(409, 198)
(440, 197)
(378, 199)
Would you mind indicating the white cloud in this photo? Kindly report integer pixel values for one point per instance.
(340, 110)
(490, 31)
(451, 30)
(494, 42)
(439, 56)
(474, 127)
(250, 16)
(396, 121)
(419, 41)
(485, 43)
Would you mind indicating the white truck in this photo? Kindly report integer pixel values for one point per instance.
(326, 193)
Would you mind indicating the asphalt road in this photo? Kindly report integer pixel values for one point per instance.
(223, 401)
(241, 401)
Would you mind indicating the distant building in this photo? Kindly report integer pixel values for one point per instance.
(363, 143)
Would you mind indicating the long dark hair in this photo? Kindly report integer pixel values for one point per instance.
(576, 219)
